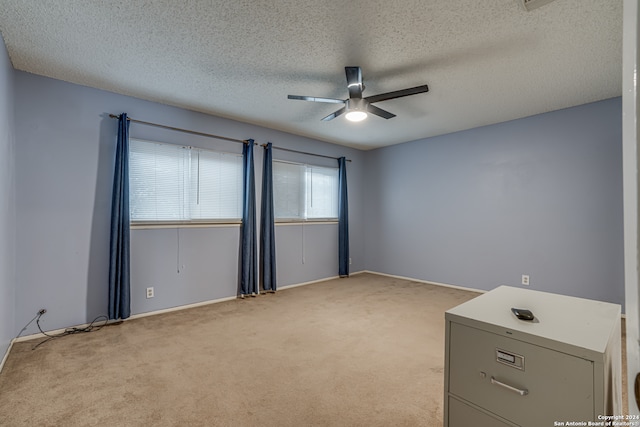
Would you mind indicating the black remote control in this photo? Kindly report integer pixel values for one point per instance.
(522, 313)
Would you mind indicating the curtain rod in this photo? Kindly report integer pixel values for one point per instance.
(208, 135)
(303, 152)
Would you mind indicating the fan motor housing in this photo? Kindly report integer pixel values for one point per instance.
(356, 104)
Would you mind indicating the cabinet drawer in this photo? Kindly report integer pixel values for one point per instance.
(558, 386)
(463, 415)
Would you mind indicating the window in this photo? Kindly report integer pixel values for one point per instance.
(304, 192)
(170, 183)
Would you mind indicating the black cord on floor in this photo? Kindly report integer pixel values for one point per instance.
(69, 331)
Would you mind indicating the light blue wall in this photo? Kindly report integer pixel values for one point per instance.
(64, 162)
(7, 203)
(539, 196)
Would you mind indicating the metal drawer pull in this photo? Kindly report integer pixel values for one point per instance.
(510, 388)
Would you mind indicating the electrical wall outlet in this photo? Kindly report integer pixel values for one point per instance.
(150, 292)
(525, 279)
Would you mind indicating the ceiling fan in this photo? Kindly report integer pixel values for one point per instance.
(356, 107)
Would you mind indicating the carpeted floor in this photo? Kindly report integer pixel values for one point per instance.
(363, 351)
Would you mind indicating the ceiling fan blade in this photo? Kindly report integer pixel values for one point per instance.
(379, 112)
(398, 93)
(354, 81)
(334, 114)
(316, 99)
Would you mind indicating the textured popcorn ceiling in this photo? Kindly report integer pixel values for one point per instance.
(485, 61)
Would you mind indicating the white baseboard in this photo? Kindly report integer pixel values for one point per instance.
(295, 285)
(446, 285)
(6, 354)
(53, 332)
(155, 312)
(132, 317)
(199, 304)
(215, 301)
(317, 281)
(178, 308)
(480, 291)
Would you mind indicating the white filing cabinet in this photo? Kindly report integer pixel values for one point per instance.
(565, 365)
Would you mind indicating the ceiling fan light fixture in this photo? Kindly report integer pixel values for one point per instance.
(356, 110)
(356, 116)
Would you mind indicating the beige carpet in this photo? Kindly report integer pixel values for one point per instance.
(363, 351)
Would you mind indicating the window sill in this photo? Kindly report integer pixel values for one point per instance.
(307, 222)
(141, 225)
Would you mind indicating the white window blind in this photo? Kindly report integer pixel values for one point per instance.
(216, 185)
(288, 190)
(174, 183)
(304, 192)
(322, 192)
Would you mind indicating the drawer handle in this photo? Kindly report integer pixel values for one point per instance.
(510, 388)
